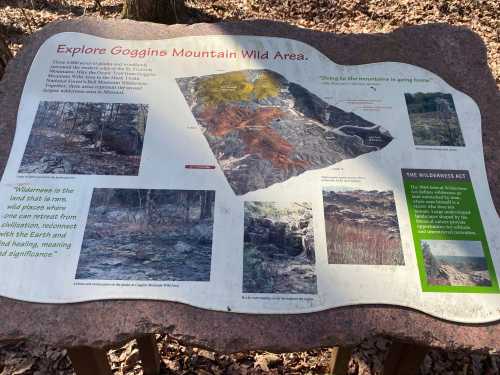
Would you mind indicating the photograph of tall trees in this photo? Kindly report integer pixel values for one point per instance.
(86, 138)
(143, 234)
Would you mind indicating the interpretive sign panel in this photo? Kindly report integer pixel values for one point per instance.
(248, 174)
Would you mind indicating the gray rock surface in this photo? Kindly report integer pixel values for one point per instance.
(454, 53)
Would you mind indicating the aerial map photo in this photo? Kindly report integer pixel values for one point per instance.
(264, 129)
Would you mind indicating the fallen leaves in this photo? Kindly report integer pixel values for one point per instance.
(23, 358)
(340, 16)
(266, 361)
(369, 16)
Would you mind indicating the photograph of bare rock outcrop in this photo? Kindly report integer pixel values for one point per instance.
(361, 227)
(264, 129)
(278, 254)
(86, 138)
(140, 234)
(455, 263)
(433, 119)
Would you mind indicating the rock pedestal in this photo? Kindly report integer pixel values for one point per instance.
(454, 53)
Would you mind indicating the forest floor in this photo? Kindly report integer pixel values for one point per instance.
(49, 151)
(130, 251)
(345, 16)
(22, 358)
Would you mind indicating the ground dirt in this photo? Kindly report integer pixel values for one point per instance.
(25, 359)
(20, 18)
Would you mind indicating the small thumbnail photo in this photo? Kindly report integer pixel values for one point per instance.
(433, 119)
(86, 139)
(279, 248)
(361, 227)
(455, 263)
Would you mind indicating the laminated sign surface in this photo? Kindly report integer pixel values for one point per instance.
(248, 174)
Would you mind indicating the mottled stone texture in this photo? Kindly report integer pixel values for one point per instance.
(454, 53)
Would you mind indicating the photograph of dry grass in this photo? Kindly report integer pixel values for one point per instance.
(278, 253)
(361, 227)
(86, 138)
(455, 263)
(145, 234)
(433, 119)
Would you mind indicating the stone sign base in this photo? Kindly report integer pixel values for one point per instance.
(454, 53)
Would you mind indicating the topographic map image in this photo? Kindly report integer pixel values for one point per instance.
(264, 129)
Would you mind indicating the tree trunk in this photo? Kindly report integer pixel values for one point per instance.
(5, 55)
(148, 206)
(163, 11)
(206, 205)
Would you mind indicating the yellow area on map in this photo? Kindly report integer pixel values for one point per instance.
(235, 86)
(265, 86)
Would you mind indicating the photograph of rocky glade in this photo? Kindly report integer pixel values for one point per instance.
(433, 119)
(278, 253)
(139, 234)
(86, 138)
(455, 263)
(361, 227)
(264, 129)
